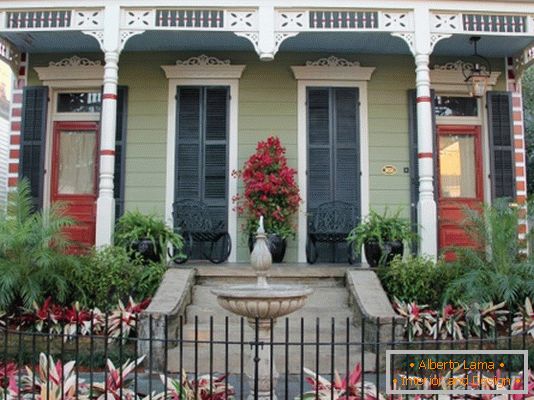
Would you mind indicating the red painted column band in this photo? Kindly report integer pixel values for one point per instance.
(424, 99)
(107, 152)
(110, 96)
(425, 155)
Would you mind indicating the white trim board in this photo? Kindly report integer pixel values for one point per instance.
(303, 149)
(233, 84)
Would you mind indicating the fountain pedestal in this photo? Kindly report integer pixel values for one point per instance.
(262, 303)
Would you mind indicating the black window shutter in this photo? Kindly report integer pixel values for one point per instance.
(201, 170)
(120, 149)
(501, 142)
(333, 154)
(33, 137)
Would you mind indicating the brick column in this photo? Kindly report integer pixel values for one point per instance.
(519, 142)
(16, 113)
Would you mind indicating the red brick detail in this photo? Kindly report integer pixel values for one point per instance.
(107, 152)
(511, 87)
(517, 116)
(14, 154)
(15, 126)
(519, 157)
(12, 182)
(13, 168)
(16, 112)
(511, 74)
(17, 98)
(22, 70)
(520, 172)
(521, 199)
(510, 61)
(15, 139)
(109, 96)
(522, 228)
(518, 130)
(520, 185)
(516, 101)
(518, 143)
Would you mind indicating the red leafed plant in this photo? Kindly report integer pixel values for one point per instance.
(270, 189)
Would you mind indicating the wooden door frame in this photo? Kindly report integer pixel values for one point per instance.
(72, 125)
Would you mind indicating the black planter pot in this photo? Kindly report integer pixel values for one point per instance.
(146, 249)
(376, 254)
(276, 244)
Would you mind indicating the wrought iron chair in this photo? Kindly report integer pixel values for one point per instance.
(193, 221)
(331, 223)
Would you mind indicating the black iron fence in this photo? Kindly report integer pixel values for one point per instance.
(225, 357)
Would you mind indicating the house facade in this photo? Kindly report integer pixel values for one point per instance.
(124, 104)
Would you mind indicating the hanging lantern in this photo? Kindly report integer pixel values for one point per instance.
(477, 75)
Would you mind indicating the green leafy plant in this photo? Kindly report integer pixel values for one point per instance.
(270, 190)
(415, 279)
(111, 275)
(381, 228)
(496, 269)
(135, 226)
(33, 259)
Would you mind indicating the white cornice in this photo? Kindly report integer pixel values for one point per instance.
(77, 69)
(333, 68)
(203, 67)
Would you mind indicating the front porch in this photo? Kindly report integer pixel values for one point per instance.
(369, 54)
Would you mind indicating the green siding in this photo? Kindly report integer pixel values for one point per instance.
(267, 106)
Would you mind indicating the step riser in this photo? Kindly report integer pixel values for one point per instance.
(203, 317)
(236, 280)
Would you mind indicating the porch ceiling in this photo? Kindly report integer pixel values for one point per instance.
(331, 42)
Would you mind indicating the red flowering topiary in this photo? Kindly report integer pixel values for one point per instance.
(269, 189)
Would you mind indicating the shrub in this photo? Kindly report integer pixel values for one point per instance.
(110, 274)
(496, 269)
(412, 280)
(33, 259)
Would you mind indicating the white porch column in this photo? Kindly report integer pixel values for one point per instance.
(426, 208)
(105, 205)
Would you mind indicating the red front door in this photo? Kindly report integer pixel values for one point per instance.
(460, 181)
(74, 174)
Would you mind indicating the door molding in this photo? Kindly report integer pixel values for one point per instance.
(302, 145)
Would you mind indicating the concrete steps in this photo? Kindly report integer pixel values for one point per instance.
(206, 321)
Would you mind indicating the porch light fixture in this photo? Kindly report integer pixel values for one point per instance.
(477, 74)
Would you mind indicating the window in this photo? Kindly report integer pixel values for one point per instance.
(79, 102)
(455, 106)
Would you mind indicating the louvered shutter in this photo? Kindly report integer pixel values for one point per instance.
(333, 154)
(188, 155)
(501, 142)
(215, 151)
(320, 182)
(120, 149)
(202, 147)
(33, 136)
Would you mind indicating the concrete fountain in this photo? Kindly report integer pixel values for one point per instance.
(262, 303)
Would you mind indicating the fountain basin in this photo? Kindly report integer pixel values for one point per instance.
(262, 302)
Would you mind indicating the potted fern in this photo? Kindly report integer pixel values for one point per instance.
(146, 235)
(382, 237)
